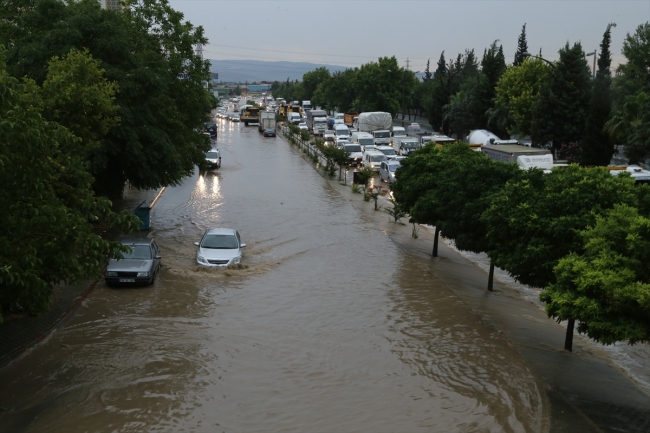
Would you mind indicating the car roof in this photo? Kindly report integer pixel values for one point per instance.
(136, 241)
(392, 162)
(374, 152)
(220, 231)
(384, 147)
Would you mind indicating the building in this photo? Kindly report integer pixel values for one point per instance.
(110, 4)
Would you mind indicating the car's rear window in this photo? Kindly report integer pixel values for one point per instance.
(220, 242)
(212, 155)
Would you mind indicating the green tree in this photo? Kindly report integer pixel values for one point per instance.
(606, 287)
(311, 80)
(456, 196)
(522, 47)
(630, 123)
(598, 147)
(534, 222)
(517, 92)
(560, 112)
(493, 66)
(77, 95)
(145, 49)
(47, 198)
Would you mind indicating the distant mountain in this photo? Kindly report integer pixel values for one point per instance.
(256, 70)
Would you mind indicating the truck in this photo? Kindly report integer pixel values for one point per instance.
(250, 115)
(378, 123)
(525, 157)
(484, 137)
(407, 145)
(331, 121)
(267, 120)
(316, 121)
(306, 105)
(348, 119)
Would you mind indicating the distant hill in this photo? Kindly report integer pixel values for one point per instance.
(256, 70)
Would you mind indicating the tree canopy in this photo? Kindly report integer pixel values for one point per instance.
(606, 287)
(148, 51)
(47, 197)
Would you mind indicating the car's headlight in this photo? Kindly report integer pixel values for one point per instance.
(111, 274)
(236, 260)
(201, 259)
(143, 274)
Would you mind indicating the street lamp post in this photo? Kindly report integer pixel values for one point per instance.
(593, 53)
(538, 57)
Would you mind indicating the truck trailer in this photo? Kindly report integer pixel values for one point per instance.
(524, 157)
(378, 123)
(267, 120)
(317, 121)
(484, 137)
(348, 119)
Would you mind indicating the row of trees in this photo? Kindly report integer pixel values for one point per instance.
(580, 234)
(92, 99)
(559, 103)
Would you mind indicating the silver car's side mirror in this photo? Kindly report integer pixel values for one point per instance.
(196, 243)
(243, 245)
(158, 257)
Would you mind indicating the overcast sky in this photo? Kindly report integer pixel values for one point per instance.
(353, 32)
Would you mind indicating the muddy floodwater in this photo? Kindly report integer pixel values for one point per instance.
(328, 326)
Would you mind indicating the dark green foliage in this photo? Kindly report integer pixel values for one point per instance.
(449, 188)
(606, 286)
(535, 221)
(630, 124)
(598, 147)
(560, 113)
(48, 205)
(427, 71)
(143, 49)
(522, 47)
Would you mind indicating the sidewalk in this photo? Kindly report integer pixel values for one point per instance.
(18, 333)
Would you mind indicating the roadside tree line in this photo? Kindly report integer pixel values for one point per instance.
(560, 103)
(579, 234)
(92, 99)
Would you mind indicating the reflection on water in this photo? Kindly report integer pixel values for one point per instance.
(327, 326)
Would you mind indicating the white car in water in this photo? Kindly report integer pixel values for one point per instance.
(219, 247)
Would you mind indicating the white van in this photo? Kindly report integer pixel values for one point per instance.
(341, 131)
(363, 138)
(381, 137)
(294, 118)
(373, 159)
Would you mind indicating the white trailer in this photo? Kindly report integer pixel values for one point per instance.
(485, 137)
(267, 120)
(378, 123)
(317, 121)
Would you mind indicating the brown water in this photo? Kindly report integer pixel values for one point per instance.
(328, 327)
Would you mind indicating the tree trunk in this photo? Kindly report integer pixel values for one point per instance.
(491, 277)
(434, 253)
(568, 342)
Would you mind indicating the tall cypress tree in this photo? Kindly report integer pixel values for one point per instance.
(522, 47)
(493, 65)
(560, 113)
(598, 147)
(440, 95)
(427, 71)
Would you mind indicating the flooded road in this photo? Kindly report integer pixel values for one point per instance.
(328, 326)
